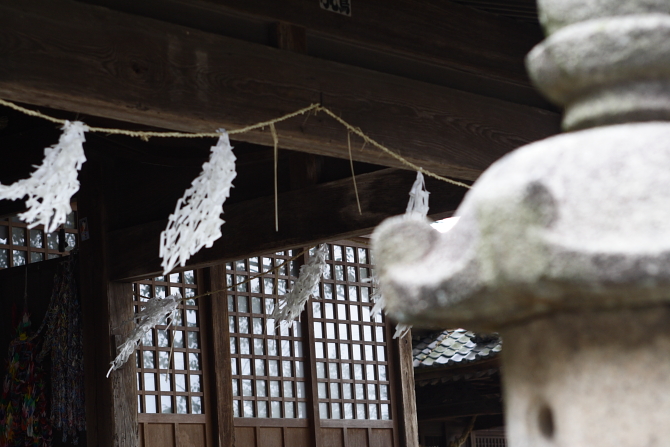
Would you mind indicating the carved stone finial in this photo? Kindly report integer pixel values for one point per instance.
(606, 61)
(563, 246)
(575, 221)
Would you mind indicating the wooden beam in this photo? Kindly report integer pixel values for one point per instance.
(88, 59)
(476, 406)
(306, 217)
(438, 32)
(424, 375)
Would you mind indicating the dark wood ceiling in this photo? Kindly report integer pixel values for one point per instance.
(442, 84)
(522, 10)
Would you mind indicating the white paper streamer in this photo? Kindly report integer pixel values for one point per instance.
(417, 208)
(51, 187)
(291, 305)
(153, 313)
(196, 221)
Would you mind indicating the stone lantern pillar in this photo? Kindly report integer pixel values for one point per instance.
(563, 246)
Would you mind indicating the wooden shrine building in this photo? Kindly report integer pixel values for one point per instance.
(440, 83)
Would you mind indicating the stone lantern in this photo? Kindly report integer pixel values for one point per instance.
(563, 246)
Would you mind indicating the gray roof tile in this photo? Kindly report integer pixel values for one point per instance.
(454, 347)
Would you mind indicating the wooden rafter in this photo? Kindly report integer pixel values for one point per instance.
(307, 216)
(78, 57)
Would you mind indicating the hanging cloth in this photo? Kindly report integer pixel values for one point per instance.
(63, 339)
(24, 420)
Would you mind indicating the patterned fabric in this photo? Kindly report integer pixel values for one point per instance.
(63, 338)
(23, 406)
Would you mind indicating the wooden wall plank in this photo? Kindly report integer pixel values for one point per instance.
(357, 437)
(140, 435)
(332, 437)
(270, 437)
(83, 58)
(245, 437)
(382, 437)
(306, 217)
(191, 435)
(297, 437)
(160, 435)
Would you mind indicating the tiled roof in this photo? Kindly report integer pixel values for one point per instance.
(453, 347)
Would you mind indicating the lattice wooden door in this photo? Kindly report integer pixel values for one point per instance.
(174, 410)
(325, 381)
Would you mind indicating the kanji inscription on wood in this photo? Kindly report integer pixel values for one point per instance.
(338, 6)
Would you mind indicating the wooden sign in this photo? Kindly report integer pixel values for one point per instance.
(338, 6)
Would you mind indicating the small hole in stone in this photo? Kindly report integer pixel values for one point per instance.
(545, 419)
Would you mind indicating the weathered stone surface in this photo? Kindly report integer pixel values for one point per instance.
(589, 379)
(563, 246)
(556, 14)
(577, 221)
(607, 71)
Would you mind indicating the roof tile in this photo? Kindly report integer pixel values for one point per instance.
(454, 347)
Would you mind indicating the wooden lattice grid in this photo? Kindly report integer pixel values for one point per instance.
(352, 369)
(267, 362)
(169, 361)
(20, 245)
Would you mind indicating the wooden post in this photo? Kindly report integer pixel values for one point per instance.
(111, 403)
(222, 390)
(409, 428)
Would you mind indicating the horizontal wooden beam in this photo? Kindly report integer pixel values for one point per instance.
(424, 376)
(438, 31)
(440, 42)
(476, 406)
(91, 60)
(306, 217)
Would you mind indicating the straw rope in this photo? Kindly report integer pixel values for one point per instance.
(145, 135)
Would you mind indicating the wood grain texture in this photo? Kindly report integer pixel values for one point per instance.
(124, 381)
(97, 340)
(216, 310)
(245, 436)
(357, 437)
(408, 417)
(307, 322)
(472, 407)
(297, 437)
(160, 435)
(290, 37)
(438, 31)
(306, 217)
(84, 58)
(191, 435)
(270, 437)
(383, 437)
(332, 437)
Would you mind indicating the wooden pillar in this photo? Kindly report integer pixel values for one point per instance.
(216, 307)
(305, 168)
(406, 398)
(111, 403)
(307, 327)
